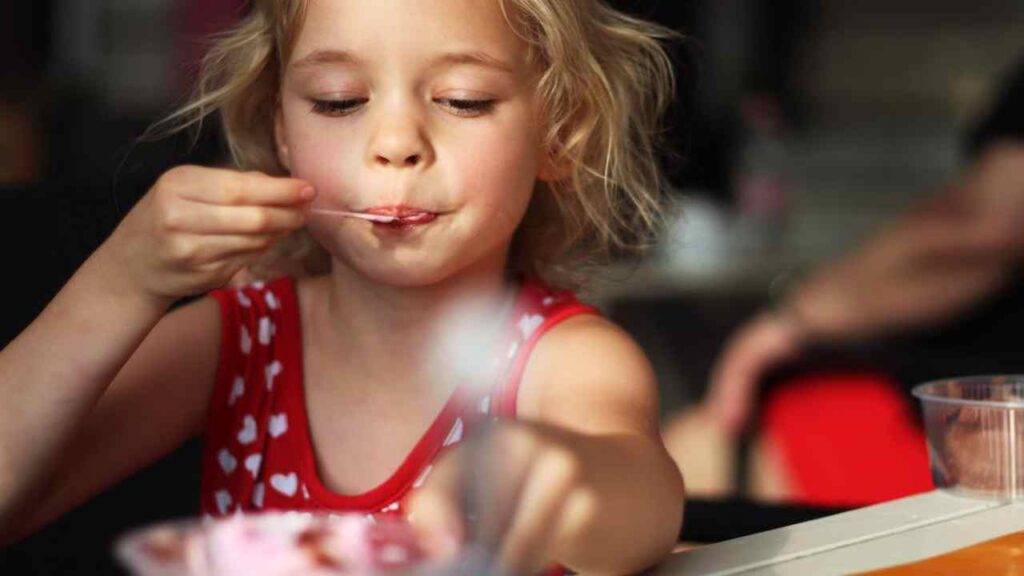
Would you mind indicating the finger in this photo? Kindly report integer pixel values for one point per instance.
(232, 188)
(540, 513)
(735, 398)
(200, 218)
(471, 495)
(499, 461)
(767, 342)
(727, 402)
(241, 275)
(436, 517)
(201, 250)
(251, 247)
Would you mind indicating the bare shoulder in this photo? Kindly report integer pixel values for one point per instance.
(587, 373)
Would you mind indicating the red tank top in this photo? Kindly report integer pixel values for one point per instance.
(257, 451)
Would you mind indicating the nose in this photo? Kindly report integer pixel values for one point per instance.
(400, 141)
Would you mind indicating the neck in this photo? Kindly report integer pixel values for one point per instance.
(386, 333)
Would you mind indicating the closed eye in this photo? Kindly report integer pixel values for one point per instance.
(467, 107)
(337, 107)
(461, 107)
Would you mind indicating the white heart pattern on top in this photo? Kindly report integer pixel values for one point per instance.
(423, 476)
(243, 299)
(278, 424)
(247, 435)
(512, 350)
(237, 390)
(455, 435)
(272, 370)
(223, 499)
(528, 324)
(246, 341)
(227, 462)
(258, 492)
(265, 330)
(287, 484)
(252, 464)
(271, 300)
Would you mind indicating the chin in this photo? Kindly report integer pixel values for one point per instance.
(402, 275)
(411, 267)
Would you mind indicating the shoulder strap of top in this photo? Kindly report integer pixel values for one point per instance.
(540, 309)
(249, 318)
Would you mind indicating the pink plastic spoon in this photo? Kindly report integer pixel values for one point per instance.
(381, 218)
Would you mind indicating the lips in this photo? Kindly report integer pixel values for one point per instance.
(401, 212)
(404, 215)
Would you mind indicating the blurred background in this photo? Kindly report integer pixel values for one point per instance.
(799, 128)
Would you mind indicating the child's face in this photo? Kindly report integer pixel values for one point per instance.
(426, 104)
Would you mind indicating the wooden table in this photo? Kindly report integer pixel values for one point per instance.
(875, 537)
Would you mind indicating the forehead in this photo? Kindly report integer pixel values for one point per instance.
(377, 30)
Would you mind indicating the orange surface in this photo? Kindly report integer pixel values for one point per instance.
(1003, 556)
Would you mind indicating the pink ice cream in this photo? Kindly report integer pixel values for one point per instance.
(280, 544)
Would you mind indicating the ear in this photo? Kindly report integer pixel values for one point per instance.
(553, 168)
(281, 140)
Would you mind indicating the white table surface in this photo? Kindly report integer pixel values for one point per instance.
(869, 538)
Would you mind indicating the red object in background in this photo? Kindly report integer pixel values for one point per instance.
(846, 439)
(195, 22)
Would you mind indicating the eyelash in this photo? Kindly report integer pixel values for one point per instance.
(462, 107)
(336, 107)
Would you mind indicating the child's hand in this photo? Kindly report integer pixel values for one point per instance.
(198, 226)
(523, 484)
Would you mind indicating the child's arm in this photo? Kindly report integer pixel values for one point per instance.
(72, 435)
(596, 489)
(591, 382)
(98, 385)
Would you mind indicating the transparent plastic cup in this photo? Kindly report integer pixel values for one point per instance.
(975, 431)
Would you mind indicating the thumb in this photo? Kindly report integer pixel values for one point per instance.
(437, 521)
(731, 398)
(768, 341)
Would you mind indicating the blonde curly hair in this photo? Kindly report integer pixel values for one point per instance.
(605, 84)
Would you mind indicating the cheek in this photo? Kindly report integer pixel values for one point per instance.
(325, 154)
(498, 168)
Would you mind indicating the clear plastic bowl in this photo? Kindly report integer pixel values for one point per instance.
(975, 431)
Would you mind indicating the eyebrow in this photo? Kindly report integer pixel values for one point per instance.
(324, 57)
(344, 57)
(473, 59)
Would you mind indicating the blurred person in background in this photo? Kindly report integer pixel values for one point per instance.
(937, 293)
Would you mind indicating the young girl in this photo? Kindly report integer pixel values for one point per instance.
(403, 154)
